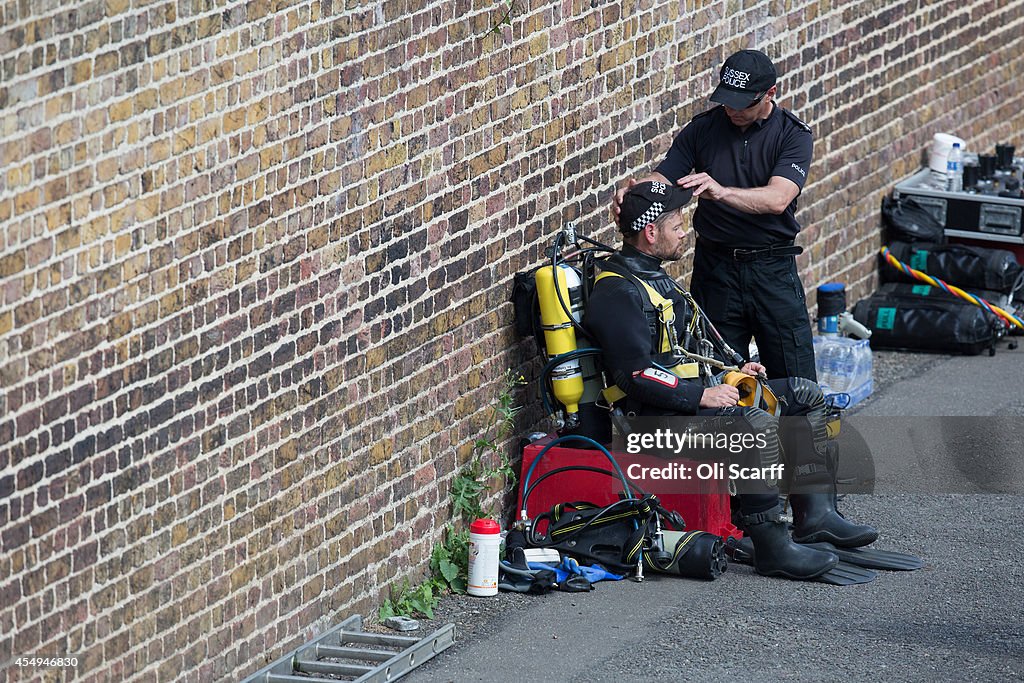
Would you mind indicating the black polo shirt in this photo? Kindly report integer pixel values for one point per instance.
(779, 145)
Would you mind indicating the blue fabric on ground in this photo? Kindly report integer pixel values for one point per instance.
(593, 573)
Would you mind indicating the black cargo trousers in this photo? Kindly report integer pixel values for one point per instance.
(761, 297)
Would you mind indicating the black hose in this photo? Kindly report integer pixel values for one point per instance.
(585, 468)
(546, 387)
(533, 539)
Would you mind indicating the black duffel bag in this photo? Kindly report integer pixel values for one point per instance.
(907, 221)
(967, 267)
(908, 290)
(943, 324)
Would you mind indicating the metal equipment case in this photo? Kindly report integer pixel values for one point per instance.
(973, 215)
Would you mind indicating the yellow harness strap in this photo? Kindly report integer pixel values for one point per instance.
(666, 316)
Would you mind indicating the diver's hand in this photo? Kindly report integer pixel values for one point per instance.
(754, 369)
(721, 396)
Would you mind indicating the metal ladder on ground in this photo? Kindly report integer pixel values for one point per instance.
(349, 652)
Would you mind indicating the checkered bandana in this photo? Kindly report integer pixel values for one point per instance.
(645, 202)
(648, 216)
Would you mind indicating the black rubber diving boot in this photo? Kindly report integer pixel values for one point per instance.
(815, 519)
(775, 553)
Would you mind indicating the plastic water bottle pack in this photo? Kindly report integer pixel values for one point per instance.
(844, 366)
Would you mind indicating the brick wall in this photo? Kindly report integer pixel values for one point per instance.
(255, 260)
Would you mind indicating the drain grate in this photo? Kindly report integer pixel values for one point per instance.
(347, 652)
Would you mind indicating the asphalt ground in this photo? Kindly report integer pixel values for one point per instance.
(959, 618)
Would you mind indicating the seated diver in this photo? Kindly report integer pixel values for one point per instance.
(638, 339)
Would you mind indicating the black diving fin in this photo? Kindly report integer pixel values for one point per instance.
(873, 558)
(741, 551)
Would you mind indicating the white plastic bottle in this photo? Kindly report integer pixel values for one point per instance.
(823, 352)
(484, 548)
(842, 365)
(863, 355)
(955, 169)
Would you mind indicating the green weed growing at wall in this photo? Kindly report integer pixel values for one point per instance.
(449, 561)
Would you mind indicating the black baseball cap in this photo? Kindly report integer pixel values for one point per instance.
(745, 77)
(645, 202)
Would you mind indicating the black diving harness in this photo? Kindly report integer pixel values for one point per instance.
(754, 390)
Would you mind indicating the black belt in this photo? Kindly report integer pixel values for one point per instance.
(750, 253)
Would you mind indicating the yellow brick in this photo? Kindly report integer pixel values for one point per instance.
(26, 201)
(257, 111)
(497, 156)
(246, 62)
(158, 150)
(241, 577)
(66, 132)
(147, 207)
(259, 136)
(58, 217)
(120, 111)
(245, 269)
(184, 139)
(12, 264)
(114, 194)
(227, 46)
(208, 130)
(122, 219)
(246, 167)
(81, 72)
(67, 240)
(159, 69)
(478, 166)
(234, 120)
(107, 62)
(171, 303)
(376, 357)
(106, 169)
(55, 190)
(172, 91)
(122, 244)
(146, 100)
(381, 451)
(133, 267)
(208, 26)
(194, 86)
(539, 45)
(271, 156)
(341, 127)
(179, 534)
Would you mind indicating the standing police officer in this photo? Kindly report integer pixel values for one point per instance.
(746, 162)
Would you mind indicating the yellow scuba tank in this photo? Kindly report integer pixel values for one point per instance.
(559, 336)
(752, 392)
